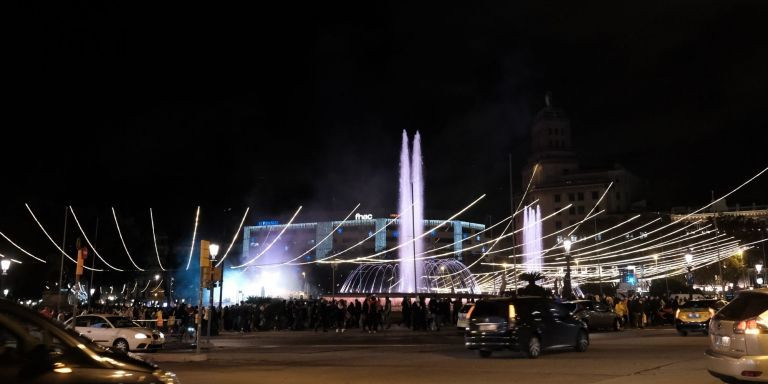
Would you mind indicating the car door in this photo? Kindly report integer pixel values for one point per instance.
(82, 326)
(603, 316)
(99, 330)
(564, 328)
(542, 321)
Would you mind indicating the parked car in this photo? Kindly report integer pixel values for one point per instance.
(594, 315)
(528, 324)
(463, 321)
(694, 315)
(738, 339)
(118, 332)
(35, 350)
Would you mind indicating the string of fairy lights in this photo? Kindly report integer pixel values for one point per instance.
(658, 251)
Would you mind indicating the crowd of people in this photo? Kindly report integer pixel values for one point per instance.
(640, 311)
(371, 314)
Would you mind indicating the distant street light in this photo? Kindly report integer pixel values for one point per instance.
(758, 279)
(5, 265)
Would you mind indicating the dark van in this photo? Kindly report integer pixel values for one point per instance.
(527, 324)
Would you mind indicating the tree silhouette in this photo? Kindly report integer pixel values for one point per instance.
(532, 289)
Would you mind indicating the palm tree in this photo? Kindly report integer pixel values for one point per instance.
(532, 289)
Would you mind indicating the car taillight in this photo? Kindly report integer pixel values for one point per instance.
(512, 317)
(750, 327)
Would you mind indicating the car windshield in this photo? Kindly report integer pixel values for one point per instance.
(122, 322)
(490, 308)
(746, 306)
(699, 304)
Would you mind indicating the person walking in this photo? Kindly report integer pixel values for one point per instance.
(387, 313)
(159, 319)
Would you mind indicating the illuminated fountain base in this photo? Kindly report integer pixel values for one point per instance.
(440, 276)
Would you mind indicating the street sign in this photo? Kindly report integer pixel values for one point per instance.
(205, 256)
(82, 254)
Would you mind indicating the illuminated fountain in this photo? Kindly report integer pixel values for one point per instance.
(441, 276)
(433, 276)
(532, 244)
(411, 205)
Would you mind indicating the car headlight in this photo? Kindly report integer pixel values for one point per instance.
(166, 377)
(140, 336)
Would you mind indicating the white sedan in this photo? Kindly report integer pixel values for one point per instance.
(118, 332)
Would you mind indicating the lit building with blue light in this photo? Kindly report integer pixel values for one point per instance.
(332, 237)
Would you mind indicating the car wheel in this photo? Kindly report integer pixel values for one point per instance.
(121, 345)
(534, 347)
(484, 353)
(617, 324)
(582, 342)
(682, 333)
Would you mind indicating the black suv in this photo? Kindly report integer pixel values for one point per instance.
(528, 324)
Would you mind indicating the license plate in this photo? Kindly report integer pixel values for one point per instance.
(487, 327)
(723, 341)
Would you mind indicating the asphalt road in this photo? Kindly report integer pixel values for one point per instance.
(399, 356)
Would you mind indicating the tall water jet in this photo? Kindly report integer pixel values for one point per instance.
(532, 243)
(418, 208)
(406, 250)
(411, 206)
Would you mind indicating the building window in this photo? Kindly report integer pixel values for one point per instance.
(571, 197)
(581, 209)
(557, 198)
(581, 196)
(572, 210)
(595, 195)
(558, 225)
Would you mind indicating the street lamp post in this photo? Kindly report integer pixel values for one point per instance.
(5, 265)
(333, 281)
(213, 250)
(689, 275)
(567, 290)
(666, 282)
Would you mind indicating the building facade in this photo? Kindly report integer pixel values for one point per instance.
(374, 234)
(559, 180)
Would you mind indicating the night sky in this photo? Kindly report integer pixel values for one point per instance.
(274, 107)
